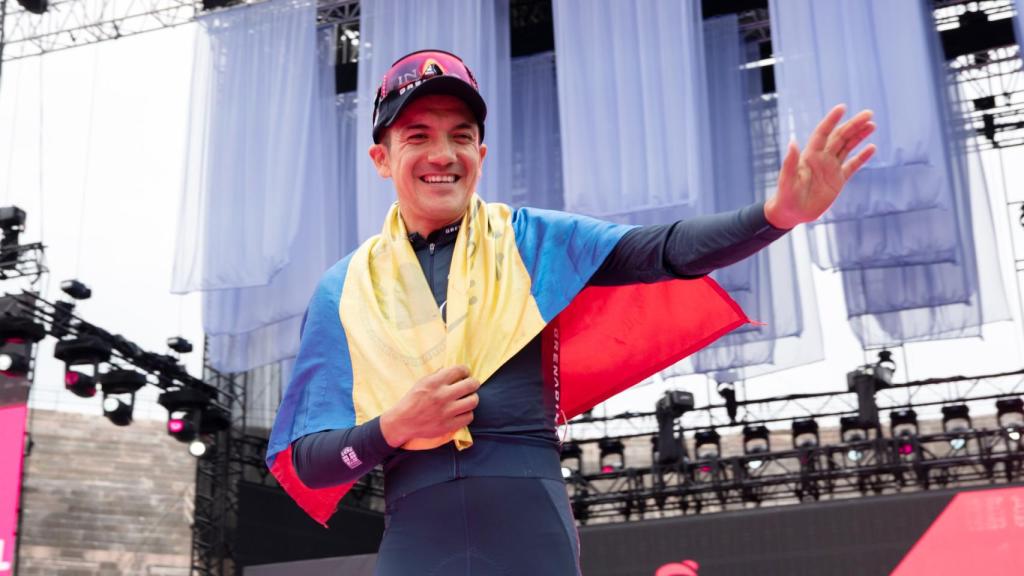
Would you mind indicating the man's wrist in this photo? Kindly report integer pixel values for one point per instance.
(774, 215)
(391, 429)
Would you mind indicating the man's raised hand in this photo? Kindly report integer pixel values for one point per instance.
(810, 181)
(438, 404)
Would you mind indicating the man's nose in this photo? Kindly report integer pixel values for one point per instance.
(442, 152)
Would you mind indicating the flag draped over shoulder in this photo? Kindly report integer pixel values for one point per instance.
(372, 328)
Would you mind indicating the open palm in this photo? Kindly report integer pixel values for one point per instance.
(810, 181)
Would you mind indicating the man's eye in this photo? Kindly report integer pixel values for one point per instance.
(418, 137)
(464, 137)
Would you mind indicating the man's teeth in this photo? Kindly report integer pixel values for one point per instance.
(449, 179)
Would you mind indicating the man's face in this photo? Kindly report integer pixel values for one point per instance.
(433, 154)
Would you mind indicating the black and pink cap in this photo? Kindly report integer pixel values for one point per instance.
(422, 73)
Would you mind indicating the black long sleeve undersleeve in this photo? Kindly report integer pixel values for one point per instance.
(334, 457)
(687, 249)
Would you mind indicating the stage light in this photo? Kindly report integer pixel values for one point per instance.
(80, 384)
(612, 454)
(956, 419)
(82, 350)
(122, 381)
(12, 364)
(755, 439)
(119, 413)
(865, 381)
(903, 423)
(851, 430)
(1010, 417)
(727, 390)
(76, 289)
(12, 223)
(805, 433)
(671, 406)
(854, 454)
(571, 451)
(707, 444)
(183, 428)
(35, 6)
(197, 448)
(179, 345)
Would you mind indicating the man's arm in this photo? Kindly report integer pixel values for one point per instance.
(687, 249)
(334, 457)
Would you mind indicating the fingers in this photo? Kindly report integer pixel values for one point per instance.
(790, 163)
(821, 134)
(837, 141)
(449, 375)
(462, 388)
(855, 140)
(463, 405)
(851, 167)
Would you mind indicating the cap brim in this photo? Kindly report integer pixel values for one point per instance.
(446, 85)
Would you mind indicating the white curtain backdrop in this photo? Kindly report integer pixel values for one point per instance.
(254, 326)
(248, 140)
(632, 107)
(912, 233)
(536, 141)
(478, 32)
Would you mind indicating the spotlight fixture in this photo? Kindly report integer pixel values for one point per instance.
(671, 406)
(707, 444)
(865, 381)
(13, 364)
(956, 419)
(197, 448)
(903, 422)
(118, 412)
(76, 289)
(120, 381)
(903, 427)
(1010, 416)
(80, 384)
(755, 441)
(35, 6)
(805, 433)
(179, 345)
(572, 452)
(82, 350)
(727, 390)
(12, 224)
(182, 429)
(851, 430)
(612, 454)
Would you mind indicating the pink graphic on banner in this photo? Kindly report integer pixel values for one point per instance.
(12, 444)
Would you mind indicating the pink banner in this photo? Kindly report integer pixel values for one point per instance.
(12, 444)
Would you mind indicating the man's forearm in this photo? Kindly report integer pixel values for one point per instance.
(334, 457)
(687, 249)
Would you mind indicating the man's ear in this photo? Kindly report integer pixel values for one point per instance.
(379, 155)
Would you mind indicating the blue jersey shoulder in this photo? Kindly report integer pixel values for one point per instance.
(561, 252)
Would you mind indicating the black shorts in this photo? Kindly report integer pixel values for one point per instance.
(481, 526)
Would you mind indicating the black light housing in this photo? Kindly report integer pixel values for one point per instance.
(572, 452)
(120, 381)
(707, 444)
(117, 411)
(805, 433)
(80, 384)
(76, 289)
(903, 422)
(1010, 413)
(35, 6)
(851, 429)
(82, 350)
(612, 454)
(956, 418)
(755, 439)
(179, 345)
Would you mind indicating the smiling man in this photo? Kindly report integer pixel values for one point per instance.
(424, 350)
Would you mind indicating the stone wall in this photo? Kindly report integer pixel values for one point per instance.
(104, 500)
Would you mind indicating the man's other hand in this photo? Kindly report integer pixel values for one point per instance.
(810, 181)
(438, 404)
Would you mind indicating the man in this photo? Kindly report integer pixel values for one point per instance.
(455, 292)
